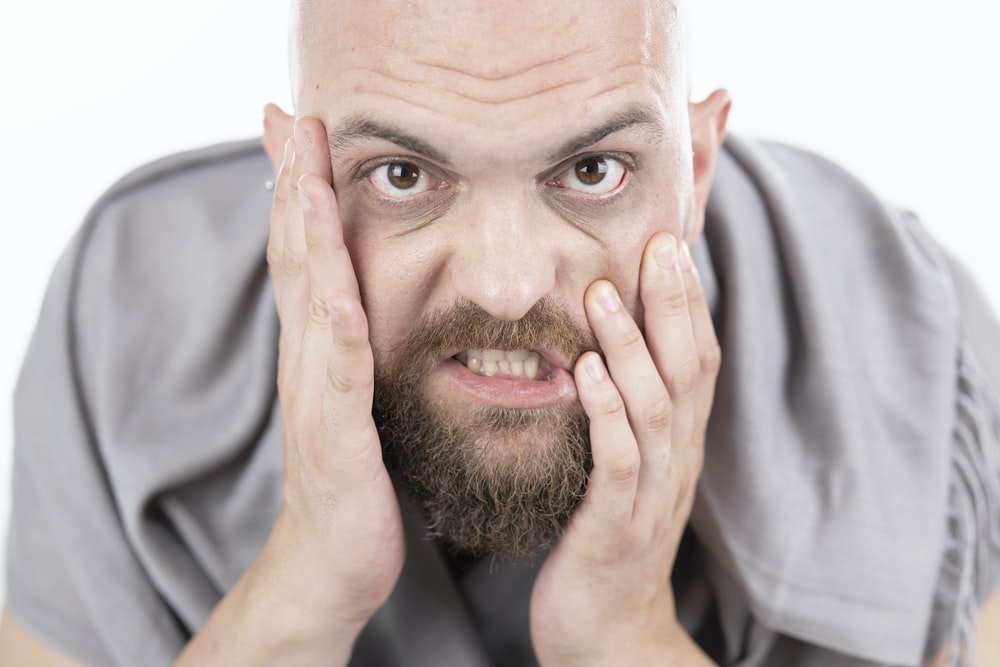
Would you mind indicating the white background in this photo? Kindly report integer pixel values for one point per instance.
(903, 92)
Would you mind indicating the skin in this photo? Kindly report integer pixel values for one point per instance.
(501, 235)
(352, 272)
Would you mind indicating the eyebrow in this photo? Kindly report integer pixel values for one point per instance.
(358, 127)
(633, 116)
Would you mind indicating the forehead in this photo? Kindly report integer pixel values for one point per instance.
(495, 65)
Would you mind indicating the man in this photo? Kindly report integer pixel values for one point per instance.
(494, 328)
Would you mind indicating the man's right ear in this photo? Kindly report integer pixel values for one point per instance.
(277, 130)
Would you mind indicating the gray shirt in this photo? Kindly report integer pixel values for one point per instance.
(148, 464)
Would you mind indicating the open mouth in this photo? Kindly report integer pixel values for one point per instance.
(520, 364)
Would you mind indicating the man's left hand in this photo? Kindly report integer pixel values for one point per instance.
(603, 596)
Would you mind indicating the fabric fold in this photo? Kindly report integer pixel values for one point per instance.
(846, 452)
(826, 471)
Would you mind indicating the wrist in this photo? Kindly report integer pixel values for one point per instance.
(273, 616)
(294, 598)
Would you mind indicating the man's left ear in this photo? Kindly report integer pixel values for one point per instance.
(708, 130)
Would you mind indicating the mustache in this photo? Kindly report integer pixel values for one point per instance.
(466, 326)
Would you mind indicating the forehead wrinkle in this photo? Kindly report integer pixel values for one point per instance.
(434, 96)
(498, 76)
(422, 86)
(373, 67)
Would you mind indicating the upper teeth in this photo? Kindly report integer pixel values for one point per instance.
(507, 362)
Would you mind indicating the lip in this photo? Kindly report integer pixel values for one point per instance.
(518, 394)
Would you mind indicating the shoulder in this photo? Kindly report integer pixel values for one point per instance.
(166, 288)
(188, 198)
(184, 230)
(795, 186)
(230, 161)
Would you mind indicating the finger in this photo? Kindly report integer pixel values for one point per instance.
(610, 496)
(669, 332)
(311, 157)
(635, 375)
(277, 132)
(336, 355)
(275, 242)
(328, 259)
(348, 390)
(276, 237)
(706, 342)
(670, 338)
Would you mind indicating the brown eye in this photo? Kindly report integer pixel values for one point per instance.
(401, 179)
(591, 171)
(593, 175)
(402, 175)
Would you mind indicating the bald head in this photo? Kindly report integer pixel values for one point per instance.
(493, 41)
(480, 107)
(498, 158)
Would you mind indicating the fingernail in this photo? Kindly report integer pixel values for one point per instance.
(666, 256)
(595, 369)
(302, 140)
(686, 262)
(608, 299)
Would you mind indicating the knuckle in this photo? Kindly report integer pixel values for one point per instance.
(631, 340)
(674, 300)
(710, 358)
(273, 255)
(337, 379)
(349, 369)
(292, 266)
(319, 313)
(611, 407)
(625, 468)
(683, 382)
(659, 415)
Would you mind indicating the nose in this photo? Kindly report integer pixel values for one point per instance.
(504, 258)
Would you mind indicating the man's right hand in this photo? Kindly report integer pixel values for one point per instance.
(339, 500)
(337, 547)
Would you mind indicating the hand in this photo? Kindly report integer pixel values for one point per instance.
(278, 127)
(340, 524)
(603, 596)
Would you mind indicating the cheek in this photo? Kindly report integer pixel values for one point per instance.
(393, 277)
(624, 249)
(623, 271)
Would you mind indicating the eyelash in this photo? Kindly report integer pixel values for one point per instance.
(625, 159)
(365, 171)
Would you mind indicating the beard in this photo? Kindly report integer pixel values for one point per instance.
(490, 480)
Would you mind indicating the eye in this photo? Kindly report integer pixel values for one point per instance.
(400, 179)
(593, 175)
